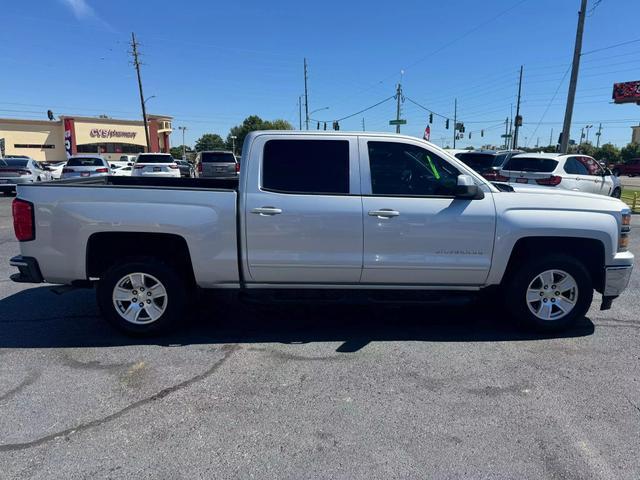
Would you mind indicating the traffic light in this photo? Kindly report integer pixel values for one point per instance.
(469, 134)
(318, 128)
(518, 120)
(336, 125)
(325, 125)
(431, 118)
(446, 124)
(482, 133)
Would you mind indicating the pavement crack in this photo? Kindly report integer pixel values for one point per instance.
(30, 380)
(228, 351)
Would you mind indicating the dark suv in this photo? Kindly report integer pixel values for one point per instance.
(487, 162)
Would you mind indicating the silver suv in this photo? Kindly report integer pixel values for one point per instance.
(217, 164)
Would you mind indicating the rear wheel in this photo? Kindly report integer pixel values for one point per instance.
(142, 296)
(550, 293)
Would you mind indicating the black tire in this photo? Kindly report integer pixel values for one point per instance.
(518, 284)
(617, 193)
(175, 285)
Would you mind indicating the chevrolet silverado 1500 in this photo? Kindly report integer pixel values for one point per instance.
(355, 214)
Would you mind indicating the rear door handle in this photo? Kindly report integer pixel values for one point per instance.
(266, 211)
(384, 213)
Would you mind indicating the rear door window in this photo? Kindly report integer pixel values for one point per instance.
(306, 166)
(531, 164)
(574, 167)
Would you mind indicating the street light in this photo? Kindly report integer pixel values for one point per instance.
(233, 140)
(318, 110)
(184, 153)
(587, 128)
(149, 98)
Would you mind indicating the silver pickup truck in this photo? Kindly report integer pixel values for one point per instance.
(372, 216)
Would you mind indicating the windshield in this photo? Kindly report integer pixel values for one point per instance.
(210, 157)
(85, 162)
(531, 164)
(160, 158)
(14, 162)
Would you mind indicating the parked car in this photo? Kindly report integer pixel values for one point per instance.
(486, 162)
(120, 171)
(155, 165)
(186, 169)
(83, 166)
(17, 171)
(379, 216)
(631, 168)
(570, 172)
(56, 169)
(217, 164)
(127, 159)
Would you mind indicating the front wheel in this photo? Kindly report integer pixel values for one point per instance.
(142, 296)
(550, 293)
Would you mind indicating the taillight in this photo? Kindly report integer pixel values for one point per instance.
(237, 168)
(67, 170)
(102, 170)
(500, 178)
(173, 166)
(490, 176)
(553, 180)
(23, 222)
(199, 167)
(24, 172)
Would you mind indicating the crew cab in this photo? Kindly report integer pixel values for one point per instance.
(372, 216)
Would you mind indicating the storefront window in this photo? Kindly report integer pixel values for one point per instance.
(110, 148)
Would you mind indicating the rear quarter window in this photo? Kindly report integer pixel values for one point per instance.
(531, 164)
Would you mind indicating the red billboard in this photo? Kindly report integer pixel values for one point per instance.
(626, 92)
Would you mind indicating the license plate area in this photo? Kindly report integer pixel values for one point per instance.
(84, 174)
(522, 180)
(157, 169)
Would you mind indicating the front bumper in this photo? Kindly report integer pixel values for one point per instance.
(29, 270)
(616, 280)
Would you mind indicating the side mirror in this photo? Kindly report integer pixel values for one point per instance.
(467, 188)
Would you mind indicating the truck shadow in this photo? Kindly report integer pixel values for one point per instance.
(38, 318)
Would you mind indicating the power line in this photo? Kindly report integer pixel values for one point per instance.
(611, 46)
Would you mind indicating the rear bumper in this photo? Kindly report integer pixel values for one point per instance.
(29, 271)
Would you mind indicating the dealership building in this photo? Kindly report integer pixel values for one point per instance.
(70, 135)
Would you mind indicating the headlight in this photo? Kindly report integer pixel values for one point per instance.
(625, 230)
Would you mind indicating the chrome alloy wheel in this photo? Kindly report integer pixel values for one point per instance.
(140, 298)
(552, 295)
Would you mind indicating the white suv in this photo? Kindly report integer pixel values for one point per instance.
(572, 172)
(155, 165)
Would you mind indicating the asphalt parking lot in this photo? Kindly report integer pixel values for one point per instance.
(314, 391)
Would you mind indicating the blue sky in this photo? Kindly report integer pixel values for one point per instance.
(210, 64)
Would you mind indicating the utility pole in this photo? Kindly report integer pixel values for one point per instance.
(599, 132)
(306, 97)
(506, 133)
(518, 119)
(136, 63)
(300, 112)
(363, 129)
(455, 121)
(184, 148)
(399, 99)
(551, 138)
(571, 97)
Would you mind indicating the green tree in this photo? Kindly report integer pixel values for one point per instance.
(176, 152)
(608, 153)
(630, 151)
(251, 124)
(210, 141)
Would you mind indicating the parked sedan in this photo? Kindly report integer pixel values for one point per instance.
(186, 169)
(121, 171)
(570, 172)
(155, 165)
(83, 166)
(17, 171)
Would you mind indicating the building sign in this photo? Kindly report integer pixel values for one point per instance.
(626, 92)
(107, 133)
(68, 137)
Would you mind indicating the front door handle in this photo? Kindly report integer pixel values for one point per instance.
(384, 213)
(266, 211)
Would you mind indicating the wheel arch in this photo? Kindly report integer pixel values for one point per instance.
(105, 249)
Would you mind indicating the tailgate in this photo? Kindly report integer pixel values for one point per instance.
(219, 168)
(521, 176)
